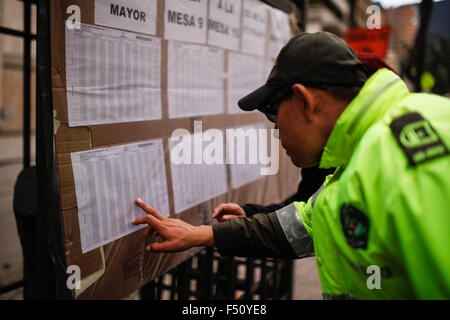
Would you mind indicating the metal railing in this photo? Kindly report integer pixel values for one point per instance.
(208, 276)
(27, 37)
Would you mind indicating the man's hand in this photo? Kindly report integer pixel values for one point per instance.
(227, 211)
(177, 234)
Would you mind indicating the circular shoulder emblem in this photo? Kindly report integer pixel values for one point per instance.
(355, 225)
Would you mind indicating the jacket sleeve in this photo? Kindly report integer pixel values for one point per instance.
(279, 234)
(251, 208)
(418, 235)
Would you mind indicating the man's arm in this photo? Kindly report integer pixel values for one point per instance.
(280, 234)
(258, 236)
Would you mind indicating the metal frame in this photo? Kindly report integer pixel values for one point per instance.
(27, 37)
(51, 277)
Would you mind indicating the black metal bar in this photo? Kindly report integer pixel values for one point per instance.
(12, 286)
(51, 266)
(173, 288)
(182, 276)
(263, 279)
(205, 266)
(26, 83)
(276, 279)
(45, 280)
(16, 33)
(249, 278)
(148, 291)
(159, 288)
(289, 276)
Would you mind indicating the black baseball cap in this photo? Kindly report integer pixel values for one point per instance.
(312, 59)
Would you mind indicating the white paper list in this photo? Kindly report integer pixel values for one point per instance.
(245, 74)
(107, 182)
(195, 80)
(254, 27)
(245, 167)
(280, 31)
(185, 20)
(224, 23)
(196, 183)
(112, 76)
(134, 15)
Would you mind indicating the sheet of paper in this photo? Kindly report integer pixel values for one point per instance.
(280, 31)
(248, 170)
(185, 20)
(133, 15)
(195, 80)
(196, 183)
(112, 76)
(107, 182)
(254, 27)
(224, 23)
(245, 74)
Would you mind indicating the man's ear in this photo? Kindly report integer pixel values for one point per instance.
(308, 98)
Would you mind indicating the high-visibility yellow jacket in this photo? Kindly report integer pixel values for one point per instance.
(380, 225)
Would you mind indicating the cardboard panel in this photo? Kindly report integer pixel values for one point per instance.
(119, 268)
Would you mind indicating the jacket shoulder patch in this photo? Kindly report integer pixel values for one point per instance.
(417, 138)
(355, 225)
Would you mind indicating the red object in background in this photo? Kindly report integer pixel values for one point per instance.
(372, 62)
(374, 41)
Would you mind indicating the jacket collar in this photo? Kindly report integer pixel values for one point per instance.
(380, 93)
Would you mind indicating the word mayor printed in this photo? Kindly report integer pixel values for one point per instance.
(243, 146)
(129, 13)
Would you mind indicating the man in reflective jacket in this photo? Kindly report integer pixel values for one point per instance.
(380, 225)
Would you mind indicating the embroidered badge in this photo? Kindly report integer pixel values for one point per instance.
(355, 225)
(417, 138)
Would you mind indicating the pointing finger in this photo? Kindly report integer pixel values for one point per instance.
(148, 219)
(149, 209)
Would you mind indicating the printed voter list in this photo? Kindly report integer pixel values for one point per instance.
(246, 168)
(107, 182)
(245, 74)
(195, 80)
(254, 20)
(194, 180)
(112, 76)
(280, 31)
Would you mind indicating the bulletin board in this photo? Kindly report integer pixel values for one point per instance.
(131, 74)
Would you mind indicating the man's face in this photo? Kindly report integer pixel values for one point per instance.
(301, 136)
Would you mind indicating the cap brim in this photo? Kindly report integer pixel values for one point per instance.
(258, 98)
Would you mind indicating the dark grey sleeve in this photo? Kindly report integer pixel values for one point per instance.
(258, 236)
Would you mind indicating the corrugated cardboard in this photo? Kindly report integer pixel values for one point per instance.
(119, 268)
